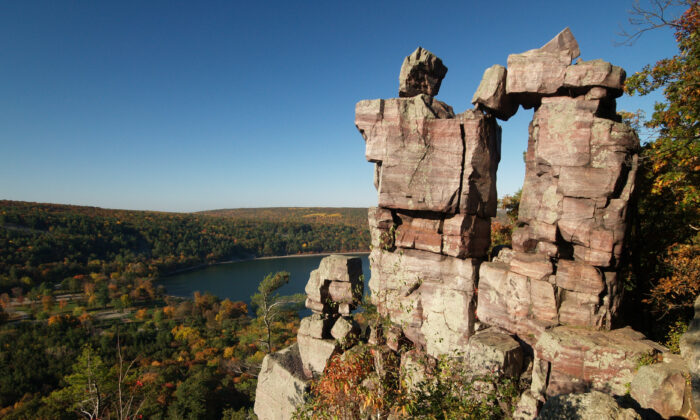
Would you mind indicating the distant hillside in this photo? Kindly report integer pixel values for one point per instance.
(51, 242)
(352, 216)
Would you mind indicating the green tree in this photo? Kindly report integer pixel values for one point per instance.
(270, 306)
(87, 389)
(191, 397)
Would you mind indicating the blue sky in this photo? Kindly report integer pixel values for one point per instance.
(186, 106)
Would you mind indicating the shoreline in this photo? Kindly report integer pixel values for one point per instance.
(320, 254)
(237, 260)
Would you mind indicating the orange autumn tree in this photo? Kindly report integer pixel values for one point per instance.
(666, 240)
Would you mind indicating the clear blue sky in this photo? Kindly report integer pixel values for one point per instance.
(186, 106)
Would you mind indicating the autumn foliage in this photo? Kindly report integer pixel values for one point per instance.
(338, 394)
(665, 240)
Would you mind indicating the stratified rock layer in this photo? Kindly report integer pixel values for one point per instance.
(493, 352)
(554, 296)
(436, 179)
(581, 165)
(430, 296)
(580, 359)
(428, 159)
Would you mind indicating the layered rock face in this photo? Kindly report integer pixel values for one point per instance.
(581, 164)
(436, 179)
(435, 172)
(549, 302)
(557, 290)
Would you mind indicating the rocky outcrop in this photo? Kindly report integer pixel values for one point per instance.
(281, 385)
(429, 296)
(549, 302)
(582, 359)
(428, 159)
(435, 172)
(493, 352)
(664, 388)
(592, 405)
(435, 176)
(540, 72)
(333, 291)
(421, 73)
(580, 169)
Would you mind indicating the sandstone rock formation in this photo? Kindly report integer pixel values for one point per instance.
(557, 291)
(581, 359)
(551, 301)
(491, 93)
(663, 388)
(421, 72)
(580, 169)
(435, 175)
(281, 385)
(333, 291)
(493, 352)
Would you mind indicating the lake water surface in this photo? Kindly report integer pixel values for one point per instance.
(239, 280)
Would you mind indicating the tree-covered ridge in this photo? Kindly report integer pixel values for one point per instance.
(50, 243)
(351, 216)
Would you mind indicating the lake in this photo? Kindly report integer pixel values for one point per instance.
(239, 280)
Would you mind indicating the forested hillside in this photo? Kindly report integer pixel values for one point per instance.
(82, 279)
(50, 243)
(351, 216)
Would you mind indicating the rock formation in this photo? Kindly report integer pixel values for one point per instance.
(435, 175)
(592, 405)
(551, 301)
(333, 291)
(421, 72)
(557, 291)
(281, 385)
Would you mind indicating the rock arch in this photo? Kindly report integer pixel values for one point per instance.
(555, 293)
(436, 179)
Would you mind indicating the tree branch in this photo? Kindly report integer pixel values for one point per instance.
(648, 20)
